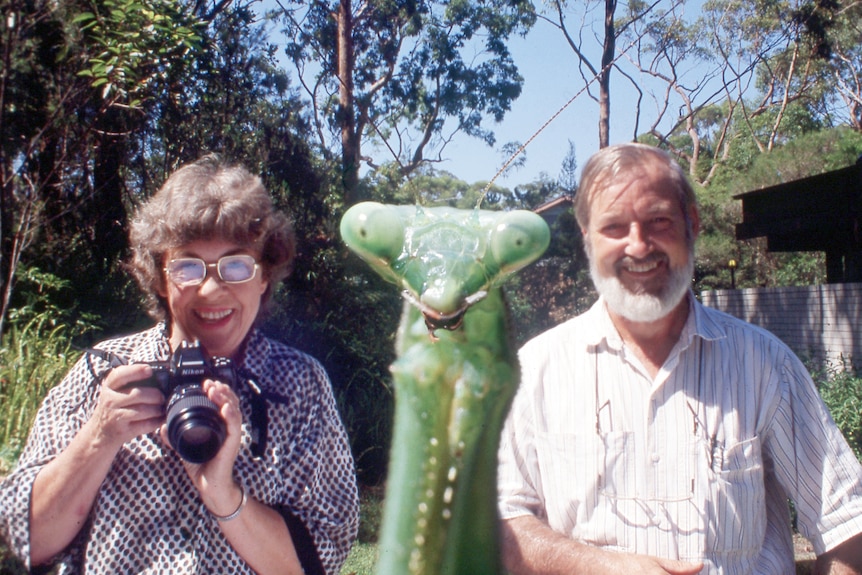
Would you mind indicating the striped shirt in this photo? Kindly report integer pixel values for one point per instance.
(697, 464)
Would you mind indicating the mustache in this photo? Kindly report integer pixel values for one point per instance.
(629, 261)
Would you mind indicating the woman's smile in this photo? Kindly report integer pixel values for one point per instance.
(213, 315)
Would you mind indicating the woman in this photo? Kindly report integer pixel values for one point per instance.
(99, 488)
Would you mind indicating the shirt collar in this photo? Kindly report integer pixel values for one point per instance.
(703, 322)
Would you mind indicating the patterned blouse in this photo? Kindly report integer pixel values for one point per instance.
(149, 518)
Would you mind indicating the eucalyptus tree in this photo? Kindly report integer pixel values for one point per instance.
(750, 75)
(568, 178)
(708, 75)
(595, 31)
(835, 31)
(394, 80)
(714, 74)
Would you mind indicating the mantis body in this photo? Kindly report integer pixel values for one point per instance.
(455, 376)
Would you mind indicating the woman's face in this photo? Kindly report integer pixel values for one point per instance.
(216, 313)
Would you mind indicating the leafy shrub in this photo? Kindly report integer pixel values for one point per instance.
(842, 393)
(9, 564)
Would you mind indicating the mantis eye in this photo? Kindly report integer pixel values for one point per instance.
(519, 237)
(374, 231)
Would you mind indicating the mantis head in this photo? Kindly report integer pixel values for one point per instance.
(444, 259)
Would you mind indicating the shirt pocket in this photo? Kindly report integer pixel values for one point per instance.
(619, 479)
(662, 476)
(735, 501)
(568, 468)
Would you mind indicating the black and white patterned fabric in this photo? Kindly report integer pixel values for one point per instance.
(148, 517)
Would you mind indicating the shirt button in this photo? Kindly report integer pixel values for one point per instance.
(655, 457)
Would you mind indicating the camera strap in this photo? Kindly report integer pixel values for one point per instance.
(108, 356)
(259, 419)
(260, 415)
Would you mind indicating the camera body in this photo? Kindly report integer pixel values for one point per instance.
(196, 429)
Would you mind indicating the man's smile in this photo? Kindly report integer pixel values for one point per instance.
(644, 266)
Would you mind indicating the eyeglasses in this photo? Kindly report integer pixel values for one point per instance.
(234, 269)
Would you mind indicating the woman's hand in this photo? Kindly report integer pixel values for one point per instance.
(64, 490)
(258, 533)
(214, 479)
(127, 407)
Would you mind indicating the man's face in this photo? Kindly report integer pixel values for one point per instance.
(641, 256)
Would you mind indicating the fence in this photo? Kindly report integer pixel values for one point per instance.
(820, 323)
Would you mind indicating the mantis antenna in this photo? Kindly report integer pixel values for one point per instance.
(545, 125)
(527, 143)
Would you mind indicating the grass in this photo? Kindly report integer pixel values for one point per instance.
(361, 559)
(363, 554)
(33, 358)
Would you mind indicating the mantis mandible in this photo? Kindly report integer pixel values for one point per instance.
(455, 376)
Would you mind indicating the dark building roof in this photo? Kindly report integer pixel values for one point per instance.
(553, 209)
(818, 213)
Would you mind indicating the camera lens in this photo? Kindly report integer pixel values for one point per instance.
(195, 428)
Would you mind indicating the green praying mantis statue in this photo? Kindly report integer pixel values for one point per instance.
(455, 376)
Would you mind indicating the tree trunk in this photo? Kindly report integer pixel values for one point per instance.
(108, 216)
(605, 75)
(346, 119)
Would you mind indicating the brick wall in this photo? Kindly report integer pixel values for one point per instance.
(820, 323)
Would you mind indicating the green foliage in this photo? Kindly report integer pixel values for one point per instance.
(235, 102)
(346, 316)
(35, 353)
(81, 79)
(842, 392)
(370, 513)
(716, 244)
(532, 195)
(48, 301)
(34, 357)
(555, 288)
(137, 41)
(9, 565)
(808, 154)
(805, 155)
(363, 555)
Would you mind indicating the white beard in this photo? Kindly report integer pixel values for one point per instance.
(643, 307)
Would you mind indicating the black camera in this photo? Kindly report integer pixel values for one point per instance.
(196, 430)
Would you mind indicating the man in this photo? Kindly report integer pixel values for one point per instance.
(654, 435)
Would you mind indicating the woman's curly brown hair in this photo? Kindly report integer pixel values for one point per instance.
(208, 200)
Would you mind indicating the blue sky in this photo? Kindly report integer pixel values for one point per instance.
(550, 80)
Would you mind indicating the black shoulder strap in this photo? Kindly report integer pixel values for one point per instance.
(259, 419)
(259, 414)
